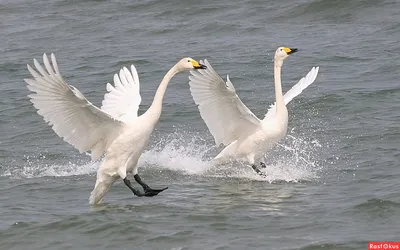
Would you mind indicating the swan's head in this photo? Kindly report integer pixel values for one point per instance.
(189, 64)
(283, 52)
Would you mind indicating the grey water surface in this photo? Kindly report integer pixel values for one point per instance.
(333, 182)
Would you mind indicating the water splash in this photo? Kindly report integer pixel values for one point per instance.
(292, 161)
(39, 166)
(184, 152)
(189, 153)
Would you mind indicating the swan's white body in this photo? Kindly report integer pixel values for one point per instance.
(115, 129)
(231, 123)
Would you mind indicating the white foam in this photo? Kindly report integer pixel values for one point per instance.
(292, 161)
(36, 168)
(186, 154)
(189, 154)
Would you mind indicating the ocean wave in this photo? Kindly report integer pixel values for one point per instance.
(327, 11)
(377, 206)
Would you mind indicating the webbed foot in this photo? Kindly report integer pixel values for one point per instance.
(148, 191)
(258, 171)
(134, 190)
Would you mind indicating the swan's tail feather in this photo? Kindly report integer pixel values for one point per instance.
(100, 190)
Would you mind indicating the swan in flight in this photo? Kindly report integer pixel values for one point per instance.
(231, 123)
(115, 129)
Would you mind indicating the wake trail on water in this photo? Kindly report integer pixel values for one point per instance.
(294, 159)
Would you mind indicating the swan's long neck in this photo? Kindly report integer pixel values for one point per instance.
(156, 106)
(280, 103)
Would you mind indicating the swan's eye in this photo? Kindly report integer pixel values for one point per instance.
(188, 60)
(281, 49)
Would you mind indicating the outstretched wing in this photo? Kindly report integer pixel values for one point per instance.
(225, 115)
(296, 90)
(70, 114)
(123, 99)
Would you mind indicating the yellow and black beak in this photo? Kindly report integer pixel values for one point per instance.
(197, 65)
(290, 51)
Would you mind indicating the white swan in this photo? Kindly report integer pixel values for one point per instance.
(115, 129)
(231, 123)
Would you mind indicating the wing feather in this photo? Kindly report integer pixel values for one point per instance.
(70, 114)
(225, 115)
(296, 90)
(123, 99)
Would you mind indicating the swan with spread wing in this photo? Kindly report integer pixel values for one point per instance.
(115, 129)
(232, 124)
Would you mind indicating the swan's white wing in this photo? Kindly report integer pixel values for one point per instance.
(225, 115)
(301, 85)
(70, 114)
(296, 89)
(123, 99)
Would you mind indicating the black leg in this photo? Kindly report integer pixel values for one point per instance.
(135, 191)
(148, 191)
(258, 171)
